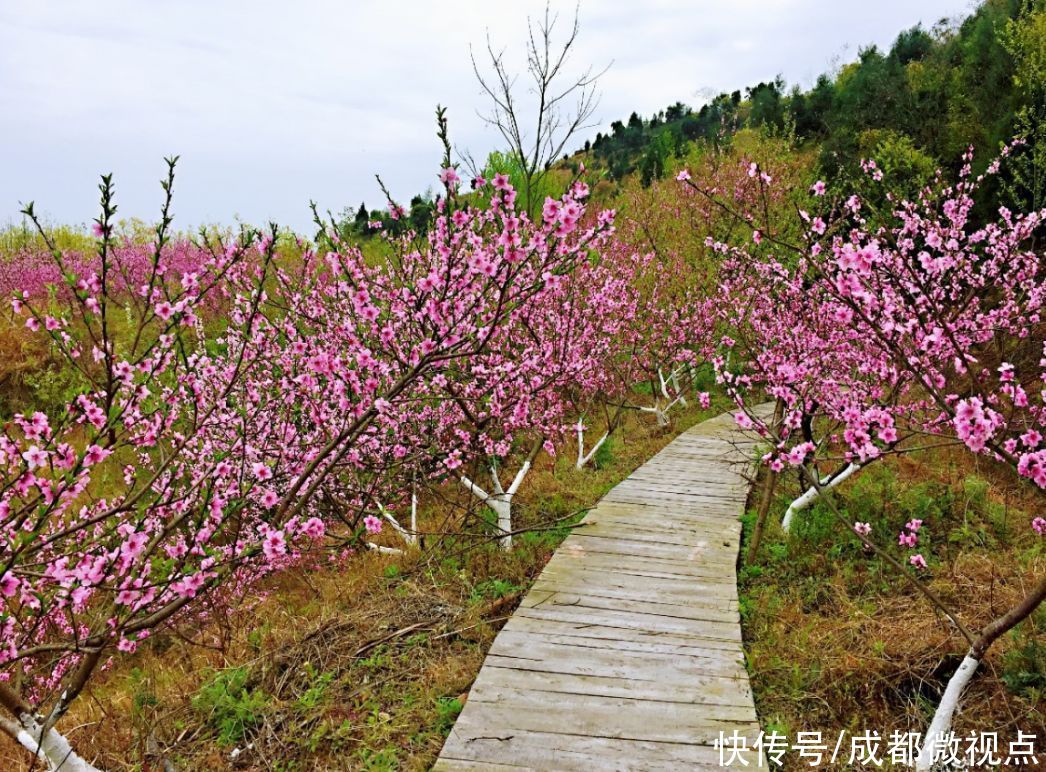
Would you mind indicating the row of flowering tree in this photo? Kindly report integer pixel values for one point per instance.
(883, 331)
(239, 405)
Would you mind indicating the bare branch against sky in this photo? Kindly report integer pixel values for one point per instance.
(561, 104)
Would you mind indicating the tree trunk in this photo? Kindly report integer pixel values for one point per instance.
(942, 719)
(812, 493)
(500, 501)
(584, 458)
(53, 748)
(767, 495)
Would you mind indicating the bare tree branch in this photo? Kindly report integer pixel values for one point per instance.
(564, 106)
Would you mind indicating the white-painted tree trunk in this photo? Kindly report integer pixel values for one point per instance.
(53, 749)
(661, 411)
(675, 385)
(410, 537)
(673, 378)
(383, 550)
(500, 501)
(414, 509)
(812, 493)
(584, 458)
(660, 414)
(942, 719)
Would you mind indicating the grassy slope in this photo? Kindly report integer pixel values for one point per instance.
(836, 641)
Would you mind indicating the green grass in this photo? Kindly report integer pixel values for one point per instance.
(228, 706)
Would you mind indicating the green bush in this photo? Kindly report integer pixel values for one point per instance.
(229, 706)
(1024, 667)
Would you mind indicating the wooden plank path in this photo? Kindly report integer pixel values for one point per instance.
(626, 653)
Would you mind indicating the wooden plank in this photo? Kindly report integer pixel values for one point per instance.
(617, 633)
(646, 528)
(577, 554)
(564, 751)
(675, 543)
(719, 596)
(677, 519)
(587, 555)
(693, 525)
(723, 691)
(512, 635)
(656, 508)
(611, 717)
(639, 514)
(703, 629)
(707, 503)
(716, 551)
(541, 598)
(626, 653)
(670, 479)
(629, 495)
(590, 567)
(582, 577)
(532, 655)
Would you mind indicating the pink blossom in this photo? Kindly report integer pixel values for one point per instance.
(449, 177)
(274, 544)
(95, 455)
(35, 457)
(313, 528)
(372, 524)
(918, 561)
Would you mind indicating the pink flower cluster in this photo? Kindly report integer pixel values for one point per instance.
(334, 380)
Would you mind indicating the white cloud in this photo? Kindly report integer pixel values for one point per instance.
(273, 103)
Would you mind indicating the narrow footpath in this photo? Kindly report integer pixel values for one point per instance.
(626, 653)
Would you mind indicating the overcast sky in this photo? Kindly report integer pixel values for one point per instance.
(271, 103)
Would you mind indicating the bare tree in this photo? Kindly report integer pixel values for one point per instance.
(564, 105)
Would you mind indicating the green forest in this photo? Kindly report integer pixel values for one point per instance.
(979, 81)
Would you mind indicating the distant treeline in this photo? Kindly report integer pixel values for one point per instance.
(915, 107)
(979, 81)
